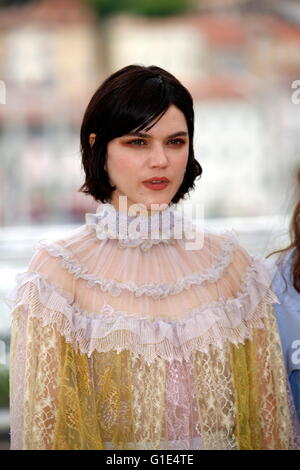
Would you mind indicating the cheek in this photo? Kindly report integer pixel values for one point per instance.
(181, 163)
(120, 167)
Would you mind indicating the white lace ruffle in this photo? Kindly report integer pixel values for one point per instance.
(155, 290)
(212, 324)
(108, 223)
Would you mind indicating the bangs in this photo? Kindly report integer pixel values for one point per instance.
(143, 104)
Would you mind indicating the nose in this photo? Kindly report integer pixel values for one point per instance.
(158, 157)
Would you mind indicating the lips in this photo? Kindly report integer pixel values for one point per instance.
(156, 183)
(162, 179)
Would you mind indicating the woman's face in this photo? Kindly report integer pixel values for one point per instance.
(134, 158)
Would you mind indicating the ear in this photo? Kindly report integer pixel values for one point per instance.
(92, 138)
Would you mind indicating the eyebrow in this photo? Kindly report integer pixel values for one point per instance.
(142, 134)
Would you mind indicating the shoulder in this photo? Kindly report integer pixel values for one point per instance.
(51, 255)
(226, 244)
(46, 281)
(245, 275)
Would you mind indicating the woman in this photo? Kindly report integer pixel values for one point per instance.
(129, 334)
(286, 285)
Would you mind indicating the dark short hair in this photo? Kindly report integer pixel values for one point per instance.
(128, 100)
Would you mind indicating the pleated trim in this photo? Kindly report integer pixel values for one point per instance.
(212, 324)
(108, 223)
(155, 290)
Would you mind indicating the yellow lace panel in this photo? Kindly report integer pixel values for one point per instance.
(114, 402)
(76, 426)
(263, 417)
(276, 385)
(246, 385)
(41, 383)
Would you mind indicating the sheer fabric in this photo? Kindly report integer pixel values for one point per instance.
(132, 343)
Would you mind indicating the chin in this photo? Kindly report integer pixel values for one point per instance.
(165, 201)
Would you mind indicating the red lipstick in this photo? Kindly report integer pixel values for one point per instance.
(156, 183)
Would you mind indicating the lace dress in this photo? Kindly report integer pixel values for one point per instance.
(124, 341)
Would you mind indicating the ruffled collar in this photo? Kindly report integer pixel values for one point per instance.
(164, 226)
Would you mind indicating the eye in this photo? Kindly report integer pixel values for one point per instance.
(142, 142)
(177, 141)
(136, 142)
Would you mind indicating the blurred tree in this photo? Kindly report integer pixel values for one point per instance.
(145, 7)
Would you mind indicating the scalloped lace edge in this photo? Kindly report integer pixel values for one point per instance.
(154, 290)
(211, 324)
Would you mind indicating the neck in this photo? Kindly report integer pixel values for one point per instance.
(122, 206)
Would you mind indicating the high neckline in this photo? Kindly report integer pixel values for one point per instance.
(130, 215)
(136, 230)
